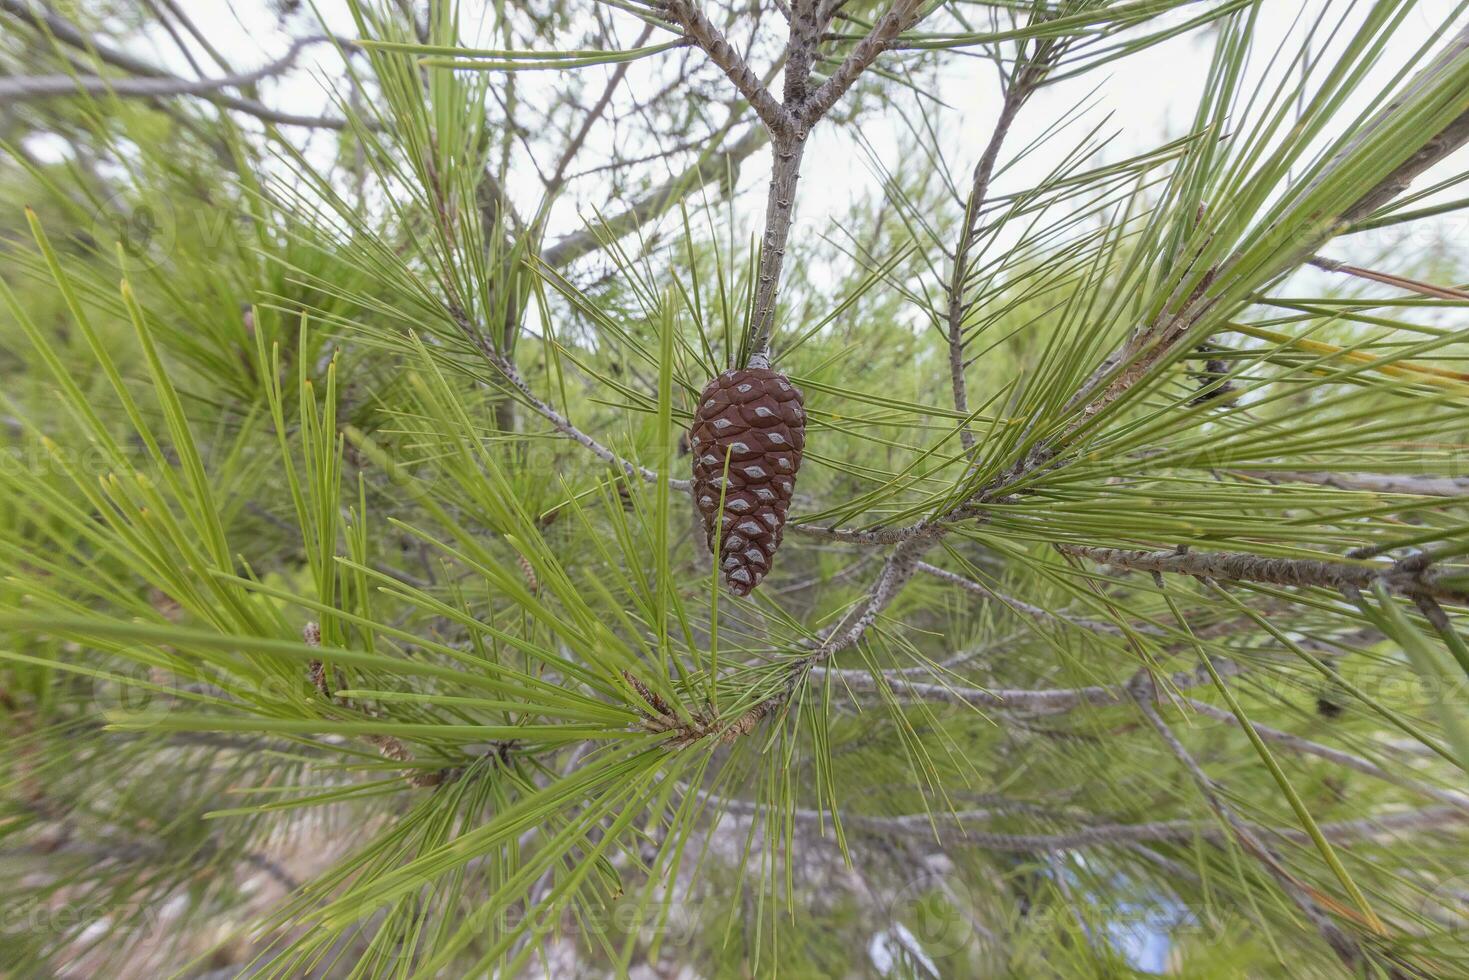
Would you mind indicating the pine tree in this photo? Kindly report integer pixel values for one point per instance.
(362, 615)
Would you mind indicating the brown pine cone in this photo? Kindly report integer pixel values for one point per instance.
(756, 417)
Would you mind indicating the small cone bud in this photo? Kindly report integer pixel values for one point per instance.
(754, 420)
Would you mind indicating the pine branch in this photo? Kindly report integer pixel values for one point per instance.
(389, 746)
(1136, 357)
(1110, 380)
(957, 307)
(1026, 78)
(807, 20)
(1454, 136)
(787, 152)
(912, 540)
(150, 852)
(507, 369)
(1402, 578)
(568, 643)
(634, 470)
(788, 122)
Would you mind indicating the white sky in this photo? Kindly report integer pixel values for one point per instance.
(1151, 97)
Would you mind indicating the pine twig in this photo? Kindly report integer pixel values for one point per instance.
(151, 852)
(388, 746)
(1048, 701)
(717, 168)
(1023, 607)
(507, 369)
(69, 34)
(23, 88)
(902, 15)
(1328, 264)
(1432, 820)
(1026, 79)
(1401, 578)
(660, 718)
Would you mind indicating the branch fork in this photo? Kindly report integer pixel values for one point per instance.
(788, 120)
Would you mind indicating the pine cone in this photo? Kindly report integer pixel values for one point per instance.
(756, 417)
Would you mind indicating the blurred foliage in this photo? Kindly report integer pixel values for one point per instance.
(325, 652)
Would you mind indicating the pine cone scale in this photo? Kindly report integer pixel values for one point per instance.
(754, 422)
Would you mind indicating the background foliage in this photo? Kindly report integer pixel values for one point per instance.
(356, 620)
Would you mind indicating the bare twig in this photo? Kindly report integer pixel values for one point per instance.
(574, 145)
(712, 168)
(1048, 701)
(926, 825)
(1388, 279)
(183, 18)
(21, 88)
(69, 34)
